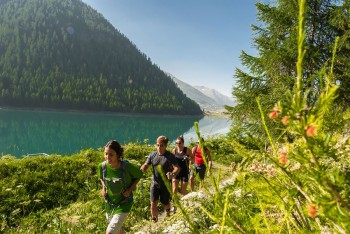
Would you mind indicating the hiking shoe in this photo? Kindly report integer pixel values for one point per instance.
(154, 219)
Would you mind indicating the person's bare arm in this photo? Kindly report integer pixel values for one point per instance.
(104, 189)
(176, 169)
(190, 155)
(144, 167)
(193, 153)
(131, 188)
(210, 162)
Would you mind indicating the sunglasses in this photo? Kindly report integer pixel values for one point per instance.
(179, 143)
(159, 145)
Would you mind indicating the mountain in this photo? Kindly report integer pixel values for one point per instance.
(209, 100)
(218, 97)
(63, 54)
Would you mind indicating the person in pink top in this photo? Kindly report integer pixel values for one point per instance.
(199, 165)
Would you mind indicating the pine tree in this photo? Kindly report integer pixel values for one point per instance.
(273, 71)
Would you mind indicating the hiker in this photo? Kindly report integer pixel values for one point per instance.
(158, 189)
(118, 178)
(183, 156)
(199, 167)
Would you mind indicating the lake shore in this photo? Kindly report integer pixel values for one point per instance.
(31, 109)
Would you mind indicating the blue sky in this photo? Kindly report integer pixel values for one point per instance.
(197, 41)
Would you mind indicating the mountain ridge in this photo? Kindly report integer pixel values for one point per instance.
(221, 99)
(66, 55)
(210, 100)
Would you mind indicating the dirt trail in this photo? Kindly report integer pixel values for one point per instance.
(173, 224)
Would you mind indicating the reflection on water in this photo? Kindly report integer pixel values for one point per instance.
(208, 126)
(26, 132)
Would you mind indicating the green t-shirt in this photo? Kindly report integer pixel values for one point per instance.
(114, 184)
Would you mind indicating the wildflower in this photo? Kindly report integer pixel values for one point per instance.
(271, 171)
(312, 211)
(238, 193)
(283, 157)
(273, 114)
(285, 120)
(311, 131)
(295, 167)
(8, 189)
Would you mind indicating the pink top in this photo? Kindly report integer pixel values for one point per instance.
(198, 156)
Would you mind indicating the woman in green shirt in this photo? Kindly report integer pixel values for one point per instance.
(119, 179)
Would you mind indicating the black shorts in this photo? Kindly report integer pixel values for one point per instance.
(200, 170)
(160, 193)
(183, 174)
(182, 177)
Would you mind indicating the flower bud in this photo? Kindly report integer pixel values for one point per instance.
(311, 131)
(312, 210)
(285, 120)
(283, 159)
(276, 109)
(273, 114)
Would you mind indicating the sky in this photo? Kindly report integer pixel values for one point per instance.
(197, 41)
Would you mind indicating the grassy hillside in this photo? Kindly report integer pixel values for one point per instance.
(247, 191)
(61, 193)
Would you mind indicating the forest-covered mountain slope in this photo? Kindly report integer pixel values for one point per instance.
(63, 54)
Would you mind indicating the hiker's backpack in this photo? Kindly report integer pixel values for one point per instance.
(104, 174)
(104, 171)
(184, 156)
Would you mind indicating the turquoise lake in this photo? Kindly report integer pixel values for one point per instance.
(24, 132)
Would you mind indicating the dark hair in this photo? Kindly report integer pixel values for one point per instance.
(114, 145)
(163, 139)
(181, 138)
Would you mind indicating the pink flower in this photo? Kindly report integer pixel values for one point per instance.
(273, 114)
(311, 131)
(312, 210)
(283, 158)
(285, 120)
